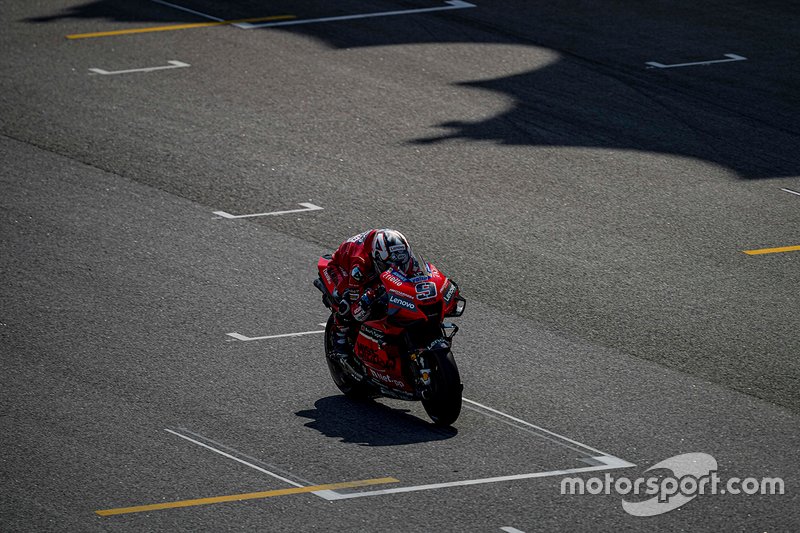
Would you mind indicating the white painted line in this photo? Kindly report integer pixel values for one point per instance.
(240, 337)
(509, 529)
(451, 4)
(543, 430)
(245, 456)
(731, 57)
(527, 430)
(790, 191)
(607, 463)
(187, 10)
(172, 64)
(306, 207)
(229, 456)
(602, 461)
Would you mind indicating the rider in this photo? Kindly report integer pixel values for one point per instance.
(355, 268)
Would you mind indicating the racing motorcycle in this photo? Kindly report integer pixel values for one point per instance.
(404, 353)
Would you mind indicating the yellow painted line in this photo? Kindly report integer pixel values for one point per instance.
(175, 27)
(247, 496)
(772, 250)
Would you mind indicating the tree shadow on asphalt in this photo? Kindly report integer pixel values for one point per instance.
(370, 423)
(599, 94)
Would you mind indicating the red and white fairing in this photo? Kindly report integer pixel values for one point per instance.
(430, 295)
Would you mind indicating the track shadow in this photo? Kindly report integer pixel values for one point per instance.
(601, 94)
(193, 10)
(114, 11)
(370, 423)
(744, 116)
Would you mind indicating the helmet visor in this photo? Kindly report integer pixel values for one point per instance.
(400, 258)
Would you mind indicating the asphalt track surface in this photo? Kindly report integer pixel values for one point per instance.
(593, 210)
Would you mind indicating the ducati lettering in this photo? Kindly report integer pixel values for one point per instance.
(371, 355)
(401, 302)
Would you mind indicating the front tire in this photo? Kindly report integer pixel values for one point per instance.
(346, 383)
(444, 405)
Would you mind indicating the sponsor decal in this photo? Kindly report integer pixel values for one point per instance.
(437, 343)
(360, 313)
(386, 379)
(356, 274)
(448, 294)
(398, 254)
(399, 274)
(394, 280)
(402, 302)
(400, 293)
(372, 334)
(371, 355)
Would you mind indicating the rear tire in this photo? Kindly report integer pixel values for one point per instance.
(349, 386)
(444, 405)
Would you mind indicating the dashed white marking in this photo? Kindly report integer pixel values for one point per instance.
(229, 456)
(306, 207)
(451, 4)
(731, 57)
(175, 6)
(509, 529)
(244, 338)
(172, 64)
(790, 191)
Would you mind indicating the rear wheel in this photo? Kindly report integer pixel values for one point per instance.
(346, 383)
(444, 404)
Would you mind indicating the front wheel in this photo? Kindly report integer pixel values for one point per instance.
(444, 404)
(344, 381)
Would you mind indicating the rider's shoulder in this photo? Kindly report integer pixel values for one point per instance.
(361, 238)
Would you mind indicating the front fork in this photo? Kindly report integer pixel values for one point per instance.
(419, 359)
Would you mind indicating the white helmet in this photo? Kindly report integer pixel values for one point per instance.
(390, 249)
